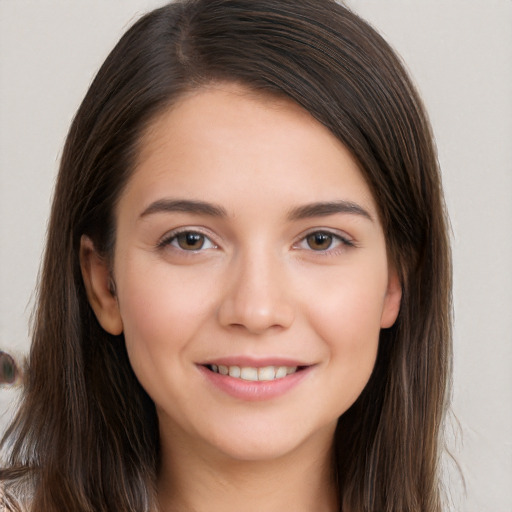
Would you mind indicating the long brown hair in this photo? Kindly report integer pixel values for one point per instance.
(85, 437)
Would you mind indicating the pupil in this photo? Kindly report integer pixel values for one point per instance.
(190, 241)
(319, 241)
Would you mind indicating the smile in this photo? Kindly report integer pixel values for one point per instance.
(264, 381)
(250, 373)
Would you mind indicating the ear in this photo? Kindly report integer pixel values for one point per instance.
(99, 287)
(392, 300)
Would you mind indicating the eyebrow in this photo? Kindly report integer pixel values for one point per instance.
(324, 209)
(319, 209)
(185, 206)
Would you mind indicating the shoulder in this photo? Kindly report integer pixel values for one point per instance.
(3, 503)
(8, 503)
(3, 506)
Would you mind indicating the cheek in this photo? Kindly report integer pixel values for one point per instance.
(347, 309)
(351, 328)
(161, 311)
(347, 319)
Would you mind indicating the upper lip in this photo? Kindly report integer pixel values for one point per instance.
(260, 362)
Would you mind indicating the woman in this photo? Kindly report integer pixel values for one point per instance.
(245, 299)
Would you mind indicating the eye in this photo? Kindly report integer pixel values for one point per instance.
(188, 241)
(322, 241)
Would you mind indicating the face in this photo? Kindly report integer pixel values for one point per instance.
(251, 275)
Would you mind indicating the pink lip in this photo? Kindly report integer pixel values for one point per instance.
(254, 390)
(254, 362)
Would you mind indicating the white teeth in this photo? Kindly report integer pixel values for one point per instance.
(250, 373)
(281, 372)
(234, 371)
(267, 373)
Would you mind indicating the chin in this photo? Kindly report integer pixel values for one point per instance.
(268, 441)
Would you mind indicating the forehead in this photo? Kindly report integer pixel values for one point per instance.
(221, 106)
(228, 141)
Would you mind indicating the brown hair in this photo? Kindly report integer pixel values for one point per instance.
(86, 434)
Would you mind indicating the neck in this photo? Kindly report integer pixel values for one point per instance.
(198, 481)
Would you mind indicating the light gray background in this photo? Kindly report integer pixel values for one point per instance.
(460, 54)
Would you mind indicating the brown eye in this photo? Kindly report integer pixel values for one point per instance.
(187, 241)
(190, 241)
(319, 241)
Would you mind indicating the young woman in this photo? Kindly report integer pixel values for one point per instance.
(245, 299)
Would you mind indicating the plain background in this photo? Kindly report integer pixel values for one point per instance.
(460, 55)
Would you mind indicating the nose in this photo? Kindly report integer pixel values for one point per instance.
(258, 296)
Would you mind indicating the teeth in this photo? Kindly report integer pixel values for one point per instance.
(281, 372)
(247, 373)
(234, 371)
(265, 373)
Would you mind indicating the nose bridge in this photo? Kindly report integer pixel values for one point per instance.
(258, 296)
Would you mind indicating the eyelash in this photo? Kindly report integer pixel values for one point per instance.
(168, 240)
(340, 242)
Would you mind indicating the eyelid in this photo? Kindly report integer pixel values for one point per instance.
(344, 240)
(166, 239)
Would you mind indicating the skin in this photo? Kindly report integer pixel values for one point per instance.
(260, 286)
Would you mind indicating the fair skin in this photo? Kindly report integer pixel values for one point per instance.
(246, 238)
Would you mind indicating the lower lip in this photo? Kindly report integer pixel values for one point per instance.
(254, 390)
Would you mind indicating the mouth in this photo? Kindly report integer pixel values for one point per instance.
(255, 380)
(255, 374)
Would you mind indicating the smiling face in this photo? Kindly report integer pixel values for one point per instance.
(247, 244)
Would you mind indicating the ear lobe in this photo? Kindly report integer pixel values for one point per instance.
(392, 300)
(99, 287)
